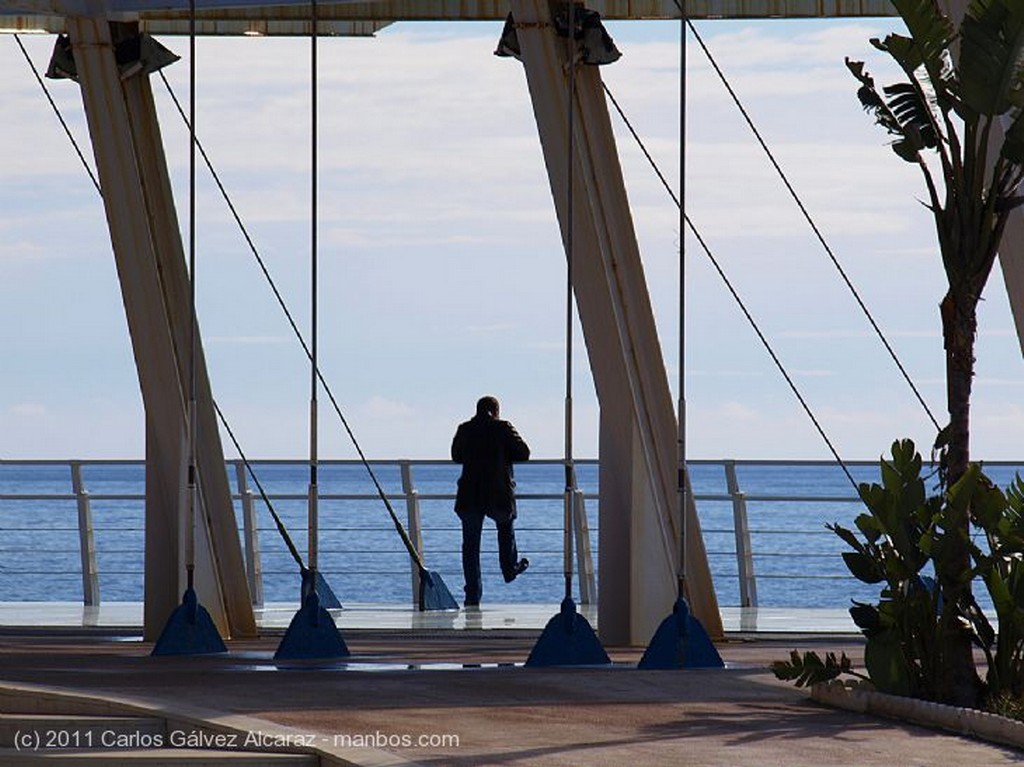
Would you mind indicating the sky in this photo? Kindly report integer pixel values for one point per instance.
(441, 274)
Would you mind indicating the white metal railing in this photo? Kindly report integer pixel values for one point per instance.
(809, 546)
(249, 502)
(747, 548)
(746, 551)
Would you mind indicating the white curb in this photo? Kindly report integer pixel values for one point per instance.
(963, 721)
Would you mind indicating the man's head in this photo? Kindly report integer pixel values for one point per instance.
(487, 406)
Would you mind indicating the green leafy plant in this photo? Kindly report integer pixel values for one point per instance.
(1005, 704)
(958, 115)
(903, 534)
(903, 651)
(1001, 517)
(810, 669)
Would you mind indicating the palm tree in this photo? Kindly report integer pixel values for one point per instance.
(958, 117)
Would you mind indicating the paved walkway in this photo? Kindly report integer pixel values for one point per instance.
(126, 617)
(450, 698)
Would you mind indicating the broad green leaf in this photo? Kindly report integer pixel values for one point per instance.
(925, 543)
(906, 150)
(988, 506)
(903, 451)
(982, 628)
(902, 48)
(913, 114)
(848, 537)
(868, 527)
(886, 664)
(961, 493)
(892, 478)
(1013, 143)
(866, 617)
(1000, 593)
(863, 567)
(874, 496)
(1015, 496)
(871, 99)
(873, 102)
(810, 669)
(931, 31)
(991, 43)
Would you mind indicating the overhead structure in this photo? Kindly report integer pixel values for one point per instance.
(288, 17)
(638, 519)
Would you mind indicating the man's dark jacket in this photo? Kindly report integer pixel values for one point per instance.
(486, 447)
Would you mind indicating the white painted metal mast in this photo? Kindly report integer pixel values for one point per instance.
(682, 479)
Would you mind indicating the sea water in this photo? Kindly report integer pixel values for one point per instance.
(797, 562)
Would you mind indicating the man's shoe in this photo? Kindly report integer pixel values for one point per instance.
(519, 569)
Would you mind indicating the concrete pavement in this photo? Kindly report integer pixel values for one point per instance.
(455, 698)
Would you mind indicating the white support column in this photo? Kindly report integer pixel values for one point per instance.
(154, 286)
(1011, 261)
(639, 518)
(219, 558)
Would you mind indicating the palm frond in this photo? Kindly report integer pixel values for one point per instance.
(941, 85)
(811, 669)
(910, 141)
(992, 48)
(1013, 143)
(912, 112)
(931, 31)
(902, 48)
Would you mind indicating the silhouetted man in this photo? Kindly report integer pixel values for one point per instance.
(487, 447)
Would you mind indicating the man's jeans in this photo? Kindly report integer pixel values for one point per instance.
(508, 554)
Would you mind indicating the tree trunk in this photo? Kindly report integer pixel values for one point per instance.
(959, 326)
(959, 683)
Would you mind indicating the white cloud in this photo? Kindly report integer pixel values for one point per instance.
(91, 428)
(813, 373)
(735, 412)
(24, 251)
(783, 430)
(248, 340)
(493, 328)
(1000, 382)
(29, 410)
(385, 409)
(836, 335)
(723, 373)
(438, 240)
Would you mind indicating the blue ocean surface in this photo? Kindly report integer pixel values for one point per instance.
(796, 561)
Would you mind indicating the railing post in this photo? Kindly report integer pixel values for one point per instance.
(250, 536)
(86, 539)
(584, 560)
(415, 530)
(741, 527)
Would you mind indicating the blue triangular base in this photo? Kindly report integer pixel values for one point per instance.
(312, 634)
(189, 630)
(681, 642)
(568, 640)
(328, 599)
(434, 593)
